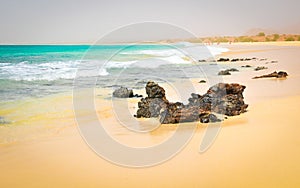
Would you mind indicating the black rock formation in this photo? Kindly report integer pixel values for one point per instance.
(280, 74)
(221, 98)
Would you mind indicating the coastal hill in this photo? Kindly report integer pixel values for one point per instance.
(260, 37)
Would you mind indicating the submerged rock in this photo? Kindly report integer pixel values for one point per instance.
(123, 92)
(280, 74)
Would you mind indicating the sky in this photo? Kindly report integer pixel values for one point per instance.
(85, 21)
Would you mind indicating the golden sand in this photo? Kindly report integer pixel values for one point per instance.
(257, 149)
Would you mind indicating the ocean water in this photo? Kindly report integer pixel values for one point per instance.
(40, 70)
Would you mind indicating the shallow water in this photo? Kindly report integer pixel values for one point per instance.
(40, 70)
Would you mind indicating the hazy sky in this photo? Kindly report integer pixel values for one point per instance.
(75, 21)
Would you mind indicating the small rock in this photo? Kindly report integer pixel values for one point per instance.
(246, 66)
(233, 70)
(202, 81)
(224, 72)
(123, 92)
(202, 61)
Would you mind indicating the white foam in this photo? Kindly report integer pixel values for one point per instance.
(44, 71)
(182, 53)
(214, 50)
(103, 72)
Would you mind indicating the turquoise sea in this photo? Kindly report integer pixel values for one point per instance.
(39, 70)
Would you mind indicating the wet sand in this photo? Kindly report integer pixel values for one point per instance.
(257, 149)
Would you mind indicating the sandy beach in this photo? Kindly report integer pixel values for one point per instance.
(259, 148)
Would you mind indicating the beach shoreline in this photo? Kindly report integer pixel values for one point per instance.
(256, 149)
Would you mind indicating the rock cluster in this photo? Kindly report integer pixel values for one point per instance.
(235, 59)
(280, 74)
(221, 98)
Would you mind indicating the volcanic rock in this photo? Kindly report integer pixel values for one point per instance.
(154, 103)
(280, 74)
(221, 98)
